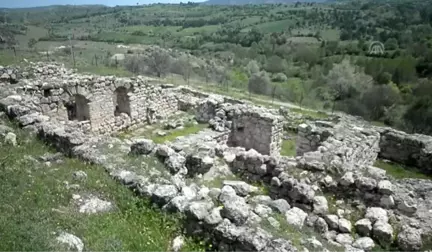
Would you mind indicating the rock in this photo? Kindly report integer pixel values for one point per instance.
(385, 187)
(363, 227)
(347, 179)
(406, 207)
(383, 232)
(253, 240)
(164, 151)
(10, 139)
(162, 194)
(263, 210)
(280, 206)
(214, 217)
(95, 205)
(235, 209)
(142, 146)
(199, 210)
(321, 226)
(241, 188)
(177, 204)
(344, 225)
(229, 157)
(177, 244)
(366, 183)
(332, 221)
(387, 201)
(214, 193)
(51, 157)
(4, 130)
(273, 222)
(227, 192)
(79, 175)
(320, 205)
(344, 239)
(175, 162)
(296, 217)
(72, 242)
(365, 243)
(281, 245)
(302, 192)
(410, 239)
(376, 172)
(376, 213)
(312, 243)
(260, 199)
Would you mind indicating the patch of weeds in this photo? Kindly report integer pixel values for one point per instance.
(217, 182)
(296, 235)
(310, 113)
(399, 171)
(263, 189)
(105, 71)
(427, 242)
(188, 129)
(288, 147)
(30, 192)
(331, 200)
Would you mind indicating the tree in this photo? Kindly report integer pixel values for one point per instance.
(391, 44)
(252, 67)
(259, 83)
(419, 115)
(275, 64)
(378, 99)
(343, 81)
(158, 62)
(32, 42)
(384, 78)
(185, 67)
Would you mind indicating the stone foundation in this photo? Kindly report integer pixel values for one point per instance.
(255, 129)
(411, 150)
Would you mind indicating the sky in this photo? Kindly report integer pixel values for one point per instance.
(35, 3)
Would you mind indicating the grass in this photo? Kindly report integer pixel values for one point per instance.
(311, 113)
(172, 135)
(399, 171)
(104, 70)
(296, 235)
(31, 190)
(289, 146)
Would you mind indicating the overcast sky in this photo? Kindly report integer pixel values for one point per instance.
(34, 3)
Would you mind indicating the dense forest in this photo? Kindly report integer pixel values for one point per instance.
(317, 55)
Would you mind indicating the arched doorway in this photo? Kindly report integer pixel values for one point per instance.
(121, 101)
(78, 108)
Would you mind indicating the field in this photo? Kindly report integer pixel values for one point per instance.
(36, 205)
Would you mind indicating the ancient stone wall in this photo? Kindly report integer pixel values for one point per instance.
(337, 148)
(255, 129)
(412, 150)
(102, 104)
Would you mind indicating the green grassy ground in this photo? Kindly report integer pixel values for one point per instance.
(172, 135)
(288, 148)
(30, 191)
(399, 171)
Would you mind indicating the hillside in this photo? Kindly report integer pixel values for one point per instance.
(244, 2)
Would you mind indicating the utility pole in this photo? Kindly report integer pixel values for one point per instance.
(72, 51)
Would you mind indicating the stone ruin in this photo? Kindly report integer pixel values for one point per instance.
(330, 191)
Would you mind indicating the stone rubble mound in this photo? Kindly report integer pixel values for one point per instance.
(331, 187)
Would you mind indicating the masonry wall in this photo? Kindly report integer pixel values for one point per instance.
(96, 98)
(255, 130)
(336, 148)
(411, 150)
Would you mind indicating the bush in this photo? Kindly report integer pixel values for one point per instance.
(279, 77)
